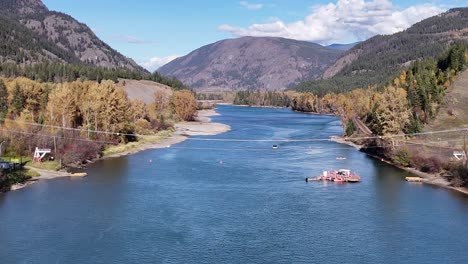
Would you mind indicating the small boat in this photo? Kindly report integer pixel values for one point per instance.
(275, 147)
(79, 174)
(340, 158)
(414, 179)
(353, 179)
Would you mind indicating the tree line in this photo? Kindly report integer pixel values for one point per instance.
(60, 72)
(82, 116)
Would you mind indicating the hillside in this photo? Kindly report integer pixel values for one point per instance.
(378, 59)
(263, 63)
(454, 110)
(143, 90)
(21, 45)
(35, 34)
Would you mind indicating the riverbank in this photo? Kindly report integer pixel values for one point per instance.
(431, 179)
(202, 126)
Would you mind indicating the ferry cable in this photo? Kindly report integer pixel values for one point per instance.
(214, 148)
(240, 140)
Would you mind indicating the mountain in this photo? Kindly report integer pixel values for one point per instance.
(379, 58)
(52, 36)
(263, 63)
(21, 45)
(343, 47)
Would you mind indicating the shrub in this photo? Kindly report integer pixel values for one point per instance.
(432, 164)
(350, 128)
(403, 157)
(459, 175)
(80, 153)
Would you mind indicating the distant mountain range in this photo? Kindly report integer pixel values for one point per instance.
(343, 47)
(31, 33)
(277, 63)
(264, 63)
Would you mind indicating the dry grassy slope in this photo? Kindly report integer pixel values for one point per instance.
(454, 112)
(143, 90)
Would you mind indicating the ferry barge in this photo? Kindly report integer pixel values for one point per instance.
(339, 176)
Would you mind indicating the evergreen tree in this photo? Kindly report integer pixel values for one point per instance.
(18, 100)
(3, 100)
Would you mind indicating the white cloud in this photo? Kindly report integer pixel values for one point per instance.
(251, 6)
(132, 39)
(154, 63)
(345, 21)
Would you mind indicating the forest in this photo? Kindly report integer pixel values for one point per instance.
(60, 72)
(78, 119)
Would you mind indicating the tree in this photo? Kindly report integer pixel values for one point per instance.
(18, 99)
(184, 105)
(392, 111)
(3, 100)
(61, 107)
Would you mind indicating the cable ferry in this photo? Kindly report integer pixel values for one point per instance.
(339, 176)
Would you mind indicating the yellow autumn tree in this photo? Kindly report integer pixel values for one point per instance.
(61, 108)
(184, 105)
(392, 112)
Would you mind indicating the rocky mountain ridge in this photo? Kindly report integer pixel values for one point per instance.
(263, 63)
(75, 39)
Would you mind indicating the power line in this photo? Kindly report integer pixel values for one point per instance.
(70, 128)
(52, 136)
(329, 139)
(243, 140)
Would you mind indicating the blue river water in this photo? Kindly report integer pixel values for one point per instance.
(237, 202)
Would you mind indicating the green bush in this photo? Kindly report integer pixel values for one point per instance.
(402, 157)
(350, 128)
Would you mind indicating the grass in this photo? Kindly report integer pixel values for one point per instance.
(456, 101)
(46, 165)
(122, 148)
(31, 173)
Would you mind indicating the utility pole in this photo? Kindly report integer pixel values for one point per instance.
(464, 151)
(440, 148)
(55, 147)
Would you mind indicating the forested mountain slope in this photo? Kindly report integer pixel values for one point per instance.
(61, 38)
(21, 45)
(380, 58)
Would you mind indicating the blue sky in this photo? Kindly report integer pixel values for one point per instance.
(153, 32)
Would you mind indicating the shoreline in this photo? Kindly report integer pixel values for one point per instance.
(430, 179)
(202, 126)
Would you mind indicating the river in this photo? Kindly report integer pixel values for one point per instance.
(236, 202)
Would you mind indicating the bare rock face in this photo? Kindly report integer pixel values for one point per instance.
(65, 32)
(255, 63)
(23, 6)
